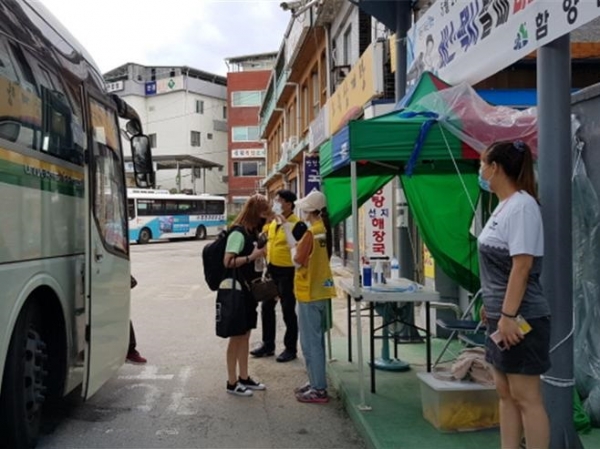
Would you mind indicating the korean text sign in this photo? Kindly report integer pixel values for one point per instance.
(455, 38)
(378, 224)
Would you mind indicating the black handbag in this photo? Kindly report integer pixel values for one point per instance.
(264, 288)
(231, 309)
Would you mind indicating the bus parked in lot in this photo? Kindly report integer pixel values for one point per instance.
(158, 214)
(64, 251)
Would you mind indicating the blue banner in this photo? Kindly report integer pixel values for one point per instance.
(340, 148)
(312, 174)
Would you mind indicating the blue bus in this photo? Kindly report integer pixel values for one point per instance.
(158, 214)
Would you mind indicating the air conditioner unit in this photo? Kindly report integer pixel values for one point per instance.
(340, 72)
(285, 148)
(225, 178)
(293, 141)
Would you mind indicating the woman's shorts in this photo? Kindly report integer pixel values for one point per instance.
(531, 356)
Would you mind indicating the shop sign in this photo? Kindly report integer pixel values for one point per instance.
(379, 228)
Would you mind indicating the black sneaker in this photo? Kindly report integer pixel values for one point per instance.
(251, 384)
(286, 356)
(263, 351)
(238, 389)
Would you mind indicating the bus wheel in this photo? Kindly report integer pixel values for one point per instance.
(200, 232)
(145, 236)
(24, 381)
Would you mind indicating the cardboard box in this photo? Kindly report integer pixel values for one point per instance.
(458, 405)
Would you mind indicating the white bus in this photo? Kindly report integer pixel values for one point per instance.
(64, 251)
(157, 214)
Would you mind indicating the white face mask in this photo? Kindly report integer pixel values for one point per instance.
(277, 209)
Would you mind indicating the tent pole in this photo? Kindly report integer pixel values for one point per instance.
(403, 244)
(357, 287)
(554, 166)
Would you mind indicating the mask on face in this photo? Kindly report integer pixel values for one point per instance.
(277, 209)
(484, 183)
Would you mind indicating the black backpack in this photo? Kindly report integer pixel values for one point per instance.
(212, 259)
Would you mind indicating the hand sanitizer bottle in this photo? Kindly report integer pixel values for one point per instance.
(366, 273)
(395, 269)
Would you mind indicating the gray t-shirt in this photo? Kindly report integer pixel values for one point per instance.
(514, 228)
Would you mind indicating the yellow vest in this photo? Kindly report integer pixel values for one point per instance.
(278, 251)
(315, 281)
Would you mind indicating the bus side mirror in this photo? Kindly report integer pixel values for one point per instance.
(142, 161)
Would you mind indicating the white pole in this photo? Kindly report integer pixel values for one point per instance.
(356, 288)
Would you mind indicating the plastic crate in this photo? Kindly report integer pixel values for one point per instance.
(453, 406)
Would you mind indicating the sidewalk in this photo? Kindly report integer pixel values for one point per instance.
(395, 419)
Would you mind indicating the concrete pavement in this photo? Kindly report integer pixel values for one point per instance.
(178, 399)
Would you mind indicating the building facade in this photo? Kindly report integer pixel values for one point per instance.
(184, 112)
(247, 80)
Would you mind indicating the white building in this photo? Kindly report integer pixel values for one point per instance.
(184, 112)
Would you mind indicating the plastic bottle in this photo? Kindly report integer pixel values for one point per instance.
(366, 274)
(259, 264)
(378, 273)
(395, 269)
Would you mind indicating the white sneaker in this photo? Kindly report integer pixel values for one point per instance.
(238, 389)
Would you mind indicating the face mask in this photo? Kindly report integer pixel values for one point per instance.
(277, 209)
(484, 183)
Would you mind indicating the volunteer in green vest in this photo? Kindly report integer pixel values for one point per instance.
(313, 286)
(281, 269)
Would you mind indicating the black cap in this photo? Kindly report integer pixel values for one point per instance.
(287, 195)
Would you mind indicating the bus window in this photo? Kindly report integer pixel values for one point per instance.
(109, 187)
(170, 207)
(184, 208)
(214, 207)
(130, 209)
(200, 207)
(20, 108)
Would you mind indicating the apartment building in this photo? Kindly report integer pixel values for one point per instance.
(247, 80)
(184, 112)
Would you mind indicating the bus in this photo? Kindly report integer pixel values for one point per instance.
(158, 214)
(64, 251)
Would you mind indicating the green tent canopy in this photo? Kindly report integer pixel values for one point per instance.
(441, 186)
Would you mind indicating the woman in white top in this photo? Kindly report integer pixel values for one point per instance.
(511, 248)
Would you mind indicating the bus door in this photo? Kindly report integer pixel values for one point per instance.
(107, 250)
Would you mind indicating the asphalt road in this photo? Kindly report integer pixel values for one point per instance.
(178, 399)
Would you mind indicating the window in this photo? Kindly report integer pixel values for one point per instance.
(110, 209)
(130, 209)
(199, 107)
(244, 134)
(224, 112)
(195, 138)
(152, 138)
(316, 95)
(306, 106)
(249, 168)
(215, 207)
(347, 46)
(247, 98)
(209, 136)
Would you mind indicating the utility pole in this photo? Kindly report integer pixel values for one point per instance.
(554, 166)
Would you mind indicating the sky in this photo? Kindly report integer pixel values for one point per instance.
(196, 33)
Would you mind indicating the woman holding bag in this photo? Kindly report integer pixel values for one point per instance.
(240, 253)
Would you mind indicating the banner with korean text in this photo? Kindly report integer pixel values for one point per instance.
(379, 228)
(470, 40)
(312, 174)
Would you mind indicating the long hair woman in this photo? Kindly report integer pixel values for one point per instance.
(511, 248)
(313, 287)
(240, 253)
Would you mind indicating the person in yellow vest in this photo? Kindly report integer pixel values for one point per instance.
(313, 286)
(281, 269)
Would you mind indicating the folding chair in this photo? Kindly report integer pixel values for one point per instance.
(470, 332)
